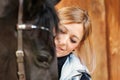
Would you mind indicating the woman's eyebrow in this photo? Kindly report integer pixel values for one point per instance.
(68, 30)
(76, 37)
(64, 27)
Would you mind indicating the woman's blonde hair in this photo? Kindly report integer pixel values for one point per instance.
(69, 15)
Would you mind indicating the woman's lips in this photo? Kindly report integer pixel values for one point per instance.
(59, 49)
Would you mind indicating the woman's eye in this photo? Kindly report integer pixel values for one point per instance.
(62, 31)
(73, 41)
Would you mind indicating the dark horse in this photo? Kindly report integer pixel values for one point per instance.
(38, 44)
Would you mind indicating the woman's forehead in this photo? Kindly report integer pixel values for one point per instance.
(74, 29)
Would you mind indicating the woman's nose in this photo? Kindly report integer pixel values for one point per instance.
(63, 40)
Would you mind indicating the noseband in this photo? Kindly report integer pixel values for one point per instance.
(19, 52)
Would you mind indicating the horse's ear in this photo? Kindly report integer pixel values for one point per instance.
(55, 1)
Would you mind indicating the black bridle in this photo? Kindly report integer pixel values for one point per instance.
(19, 52)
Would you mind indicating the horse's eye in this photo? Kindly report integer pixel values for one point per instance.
(43, 60)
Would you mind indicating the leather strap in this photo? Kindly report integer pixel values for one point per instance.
(19, 52)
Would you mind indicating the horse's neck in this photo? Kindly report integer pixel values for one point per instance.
(8, 8)
(7, 27)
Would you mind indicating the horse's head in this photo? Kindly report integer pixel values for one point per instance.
(38, 44)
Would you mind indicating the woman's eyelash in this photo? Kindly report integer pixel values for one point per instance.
(62, 31)
(73, 41)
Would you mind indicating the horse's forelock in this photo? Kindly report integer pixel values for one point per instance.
(41, 13)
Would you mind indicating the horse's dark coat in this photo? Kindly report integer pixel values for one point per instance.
(40, 60)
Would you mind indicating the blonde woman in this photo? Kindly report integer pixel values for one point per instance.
(75, 28)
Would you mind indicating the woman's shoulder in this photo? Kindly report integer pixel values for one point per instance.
(73, 69)
(77, 64)
(81, 76)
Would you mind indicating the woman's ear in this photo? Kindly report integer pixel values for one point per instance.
(79, 45)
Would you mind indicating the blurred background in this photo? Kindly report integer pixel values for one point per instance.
(105, 16)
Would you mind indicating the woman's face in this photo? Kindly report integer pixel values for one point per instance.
(68, 38)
